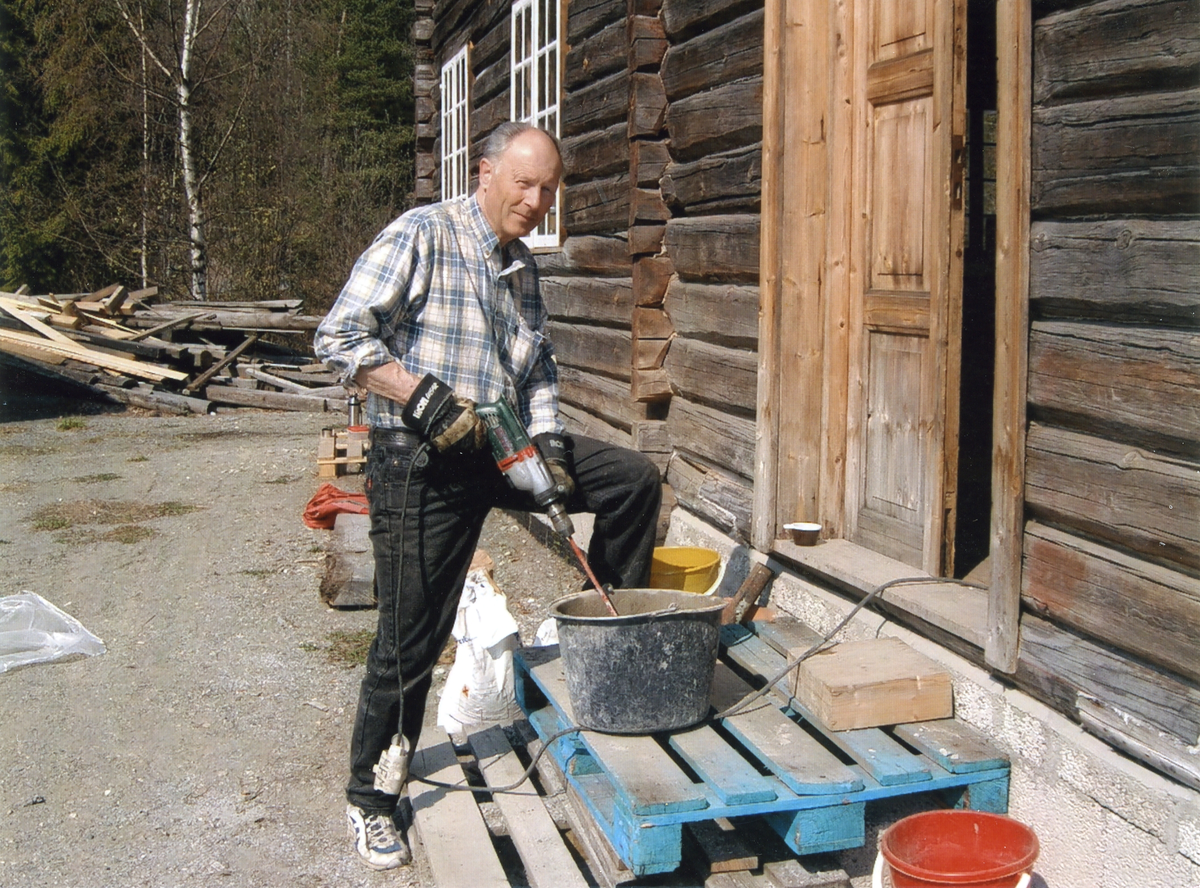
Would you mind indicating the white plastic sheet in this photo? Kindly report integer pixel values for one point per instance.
(32, 630)
(479, 688)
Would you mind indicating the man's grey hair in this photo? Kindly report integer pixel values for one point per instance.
(502, 136)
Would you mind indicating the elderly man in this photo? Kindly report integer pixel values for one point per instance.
(443, 312)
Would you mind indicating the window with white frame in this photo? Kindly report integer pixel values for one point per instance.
(535, 84)
(456, 170)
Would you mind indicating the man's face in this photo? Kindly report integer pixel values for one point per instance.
(518, 189)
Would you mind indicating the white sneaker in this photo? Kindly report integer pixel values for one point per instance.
(376, 840)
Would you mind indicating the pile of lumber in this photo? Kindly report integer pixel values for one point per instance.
(176, 357)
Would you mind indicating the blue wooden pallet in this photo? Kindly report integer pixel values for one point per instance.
(810, 784)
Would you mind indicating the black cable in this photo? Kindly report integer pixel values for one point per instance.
(460, 787)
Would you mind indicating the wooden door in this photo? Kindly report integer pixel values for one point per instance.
(907, 117)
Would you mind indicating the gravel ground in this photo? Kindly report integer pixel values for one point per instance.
(208, 745)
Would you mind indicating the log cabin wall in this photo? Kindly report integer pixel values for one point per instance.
(1112, 538)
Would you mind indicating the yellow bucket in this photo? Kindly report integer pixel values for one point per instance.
(689, 568)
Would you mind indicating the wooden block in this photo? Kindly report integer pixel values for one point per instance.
(721, 847)
(864, 684)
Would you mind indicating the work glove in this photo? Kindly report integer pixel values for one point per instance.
(445, 420)
(557, 454)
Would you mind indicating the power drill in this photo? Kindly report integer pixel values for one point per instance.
(521, 462)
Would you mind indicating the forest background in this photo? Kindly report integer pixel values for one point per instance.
(215, 149)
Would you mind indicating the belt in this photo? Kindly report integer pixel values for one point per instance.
(406, 438)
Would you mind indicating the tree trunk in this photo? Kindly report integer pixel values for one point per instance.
(191, 182)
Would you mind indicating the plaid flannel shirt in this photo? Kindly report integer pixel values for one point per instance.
(437, 293)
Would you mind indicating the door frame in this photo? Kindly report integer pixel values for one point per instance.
(804, 257)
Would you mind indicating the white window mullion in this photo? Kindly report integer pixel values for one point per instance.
(534, 93)
(455, 126)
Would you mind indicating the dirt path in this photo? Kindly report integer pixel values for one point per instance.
(208, 745)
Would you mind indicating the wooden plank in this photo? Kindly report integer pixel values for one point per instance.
(599, 349)
(597, 206)
(731, 51)
(724, 314)
(449, 822)
(1014, 65)
(1121, 155)
(40, 345)
(1083, 584)
(597, 153)
(599, 54)
(229, 358)
(1115, 47)
(955, 745)
(873, 682)
(604, 396)
(715, 248)
(594, 300)
(1137, 381)
(1132, 270)
(790, 752)
(737, 105)
(1057, 663)
(587, 254)
(714, 434)
(1127, 496)
(548, 863)
(731, 778)
(21, 312)
(646, 778)
(703, 371)
(719, 497)
(730, 182)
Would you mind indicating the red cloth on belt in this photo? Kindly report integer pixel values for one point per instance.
(322, 510)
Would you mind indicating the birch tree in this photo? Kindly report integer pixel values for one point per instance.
(197, 37)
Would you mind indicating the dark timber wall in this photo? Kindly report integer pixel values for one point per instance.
(1112, 543)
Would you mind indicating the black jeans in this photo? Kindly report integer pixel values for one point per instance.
(427, 511)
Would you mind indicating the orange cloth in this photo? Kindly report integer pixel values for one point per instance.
(322, 510)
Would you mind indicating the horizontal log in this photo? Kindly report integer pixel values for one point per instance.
(719, 119)
(587, 254)
(1056, 664)
(1132, 605)
(598, 206)
(726, 53)
(597, 55)
(599, 349)
(721, 183)
(452, 17)
(724, 314)
(597, 154)
(1132, 270)
(720, 437)
(682, 18)
(608, 398)
(647, 105)
(721, 499)
(1133, 154)
(228, 394)
(648, 158)
(591, 300)
(485, 117)
(1114, 47)
(490, 44)
(149, 398)
(1125, 496)
(1133, 383)
(492, 80)
(597, 105)
(580, 422)
(714, 375)
(586, 17)
(714, 248)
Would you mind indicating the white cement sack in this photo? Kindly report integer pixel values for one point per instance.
(479, 688)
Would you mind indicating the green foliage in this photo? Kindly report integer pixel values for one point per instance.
(303, 125)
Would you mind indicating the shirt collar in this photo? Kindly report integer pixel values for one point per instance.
(480, 227)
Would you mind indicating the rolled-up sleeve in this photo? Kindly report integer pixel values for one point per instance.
(381, 287)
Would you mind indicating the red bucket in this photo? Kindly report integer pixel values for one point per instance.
(958, 847)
